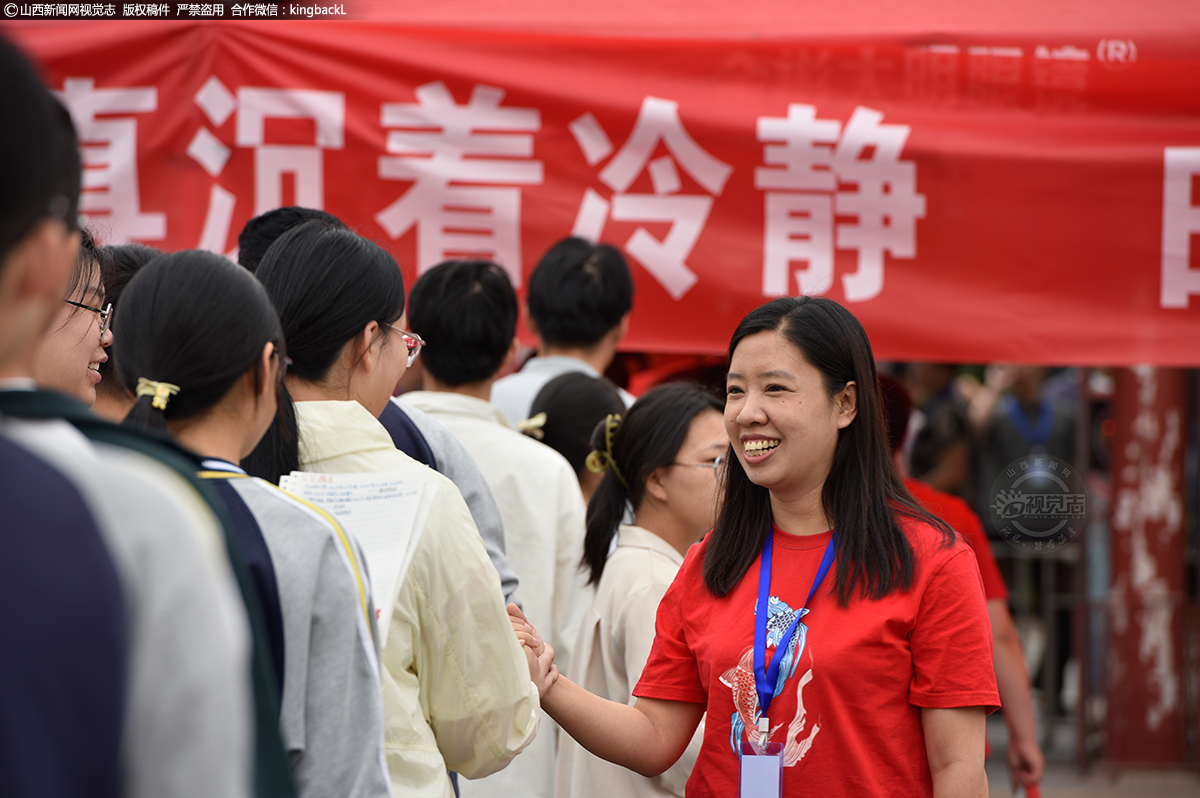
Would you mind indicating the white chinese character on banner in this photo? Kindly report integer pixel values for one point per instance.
(1181, 222)
(466, 163)
(111, 193)
(327, 110)
(819, 170)
(657, 121)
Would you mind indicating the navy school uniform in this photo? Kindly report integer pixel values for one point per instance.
(64, 636)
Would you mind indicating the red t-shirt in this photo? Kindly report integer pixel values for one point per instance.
(850, 713)
(955, 512)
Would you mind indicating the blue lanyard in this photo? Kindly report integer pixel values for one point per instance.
(1038, 437)
(765, 678)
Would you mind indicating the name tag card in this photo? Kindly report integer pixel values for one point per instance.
(761, 773)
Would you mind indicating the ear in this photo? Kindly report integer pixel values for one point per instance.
(510, 356)
(846, 402)
(654, 485)
(366, 354)
(265, 381)
(532, 325)
(623, 328)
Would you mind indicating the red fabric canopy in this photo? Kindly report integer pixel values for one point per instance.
(1015, 183)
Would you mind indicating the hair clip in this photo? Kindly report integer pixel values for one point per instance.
(533, 426)
(600, 461)
(161, 391)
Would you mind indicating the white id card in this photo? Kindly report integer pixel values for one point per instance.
(761, 773)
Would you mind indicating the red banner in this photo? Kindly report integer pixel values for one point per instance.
(1031, 197)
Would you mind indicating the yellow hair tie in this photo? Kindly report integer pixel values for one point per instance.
(533, 426)
(600, 461)
(161, 391)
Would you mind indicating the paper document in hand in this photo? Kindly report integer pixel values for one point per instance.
(383, 511)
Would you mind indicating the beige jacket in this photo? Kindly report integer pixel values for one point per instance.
(456, 688)
(613, 646)
(543, 511)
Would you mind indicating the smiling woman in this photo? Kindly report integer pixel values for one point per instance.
(875, 681)
(69, 356)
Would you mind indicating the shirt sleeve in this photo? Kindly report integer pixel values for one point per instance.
(475, 687)
(671, 672)
(951, 641)
(971, 528)
(342, 724)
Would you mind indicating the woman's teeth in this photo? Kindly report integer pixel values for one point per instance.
(759, 447)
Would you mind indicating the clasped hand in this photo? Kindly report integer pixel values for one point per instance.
(539, 655)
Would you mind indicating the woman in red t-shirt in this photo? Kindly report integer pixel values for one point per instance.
(883, 687)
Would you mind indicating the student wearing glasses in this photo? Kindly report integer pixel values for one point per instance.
(456, 685)
(660, 460)
(69, 356)
(209, 374)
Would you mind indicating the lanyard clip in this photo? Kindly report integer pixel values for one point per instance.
(764, 725)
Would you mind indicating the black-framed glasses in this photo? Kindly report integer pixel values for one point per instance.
(412, 342)
(105, 314)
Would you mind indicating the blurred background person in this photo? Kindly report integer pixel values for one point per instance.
(1014, 416)
(941, 450)
(661, 460)
(466, 311)
(1026, 762)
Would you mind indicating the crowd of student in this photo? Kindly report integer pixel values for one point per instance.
(175, 624)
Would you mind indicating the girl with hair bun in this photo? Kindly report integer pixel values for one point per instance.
(832, 633)
(202, 350)
(660, 461)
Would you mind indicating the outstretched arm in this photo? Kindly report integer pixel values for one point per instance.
(647, 737)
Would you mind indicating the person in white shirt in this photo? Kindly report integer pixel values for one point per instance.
(661, 460)
(580, 296)
(456, 684)
(467, 313)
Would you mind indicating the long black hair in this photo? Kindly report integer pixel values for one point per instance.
(863, 493)
(196, 321)
(327, 284)
(647, 438)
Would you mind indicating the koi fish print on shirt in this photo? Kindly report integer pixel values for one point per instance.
(740, 680)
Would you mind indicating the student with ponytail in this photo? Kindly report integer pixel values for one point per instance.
(833, 631)
(661, 462)
(456, 684)
(203, 352)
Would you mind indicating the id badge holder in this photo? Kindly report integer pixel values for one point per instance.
(761, 771)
